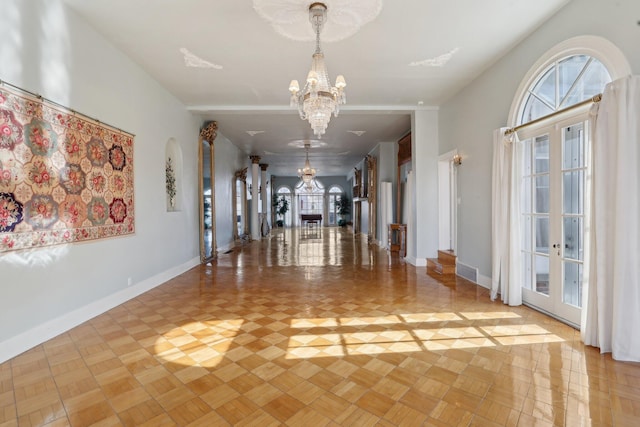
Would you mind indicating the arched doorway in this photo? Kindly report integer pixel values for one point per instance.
(555, 164)
(309, 199)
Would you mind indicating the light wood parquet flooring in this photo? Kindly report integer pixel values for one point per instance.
(316, 328)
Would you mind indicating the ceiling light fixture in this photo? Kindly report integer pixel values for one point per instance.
(307, 173)
(318, 99)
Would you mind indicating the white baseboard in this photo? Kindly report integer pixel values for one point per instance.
(416, 262)
(230, 245)
(484, 281)
(45, 331)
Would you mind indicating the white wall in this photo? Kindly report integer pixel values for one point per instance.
(386, 153)
(228, 159)
(468, 119)
(48, 49)
(423, 227)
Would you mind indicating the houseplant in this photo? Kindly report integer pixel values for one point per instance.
(343, 208)
(280, 207)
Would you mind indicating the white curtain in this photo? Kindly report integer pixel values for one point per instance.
(611, 314)
(505, 219)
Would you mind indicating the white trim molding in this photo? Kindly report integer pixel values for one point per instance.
(45, 331)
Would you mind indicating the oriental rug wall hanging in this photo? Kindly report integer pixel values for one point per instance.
(64, 177)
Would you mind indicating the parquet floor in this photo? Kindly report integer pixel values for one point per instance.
(315, 328)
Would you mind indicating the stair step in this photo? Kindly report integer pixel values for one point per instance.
(447, 257)
(433, 265)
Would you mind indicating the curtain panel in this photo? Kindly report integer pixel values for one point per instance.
(505, 219)
(611, 313)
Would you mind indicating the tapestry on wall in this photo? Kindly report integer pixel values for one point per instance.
(64, 177)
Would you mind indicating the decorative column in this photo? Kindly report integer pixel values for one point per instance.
(255, 224)
(294, 208)
(264, 226)
(208, 245)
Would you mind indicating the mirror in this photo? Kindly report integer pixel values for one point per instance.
(372, 196)
(239, 203)
(404, 166)
(206, 169)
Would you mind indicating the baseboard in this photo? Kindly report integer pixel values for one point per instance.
(484, 281)
(416, 262)
(52, 328)
(229, 246)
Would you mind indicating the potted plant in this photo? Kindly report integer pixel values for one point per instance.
(280, 207)
(343, 208)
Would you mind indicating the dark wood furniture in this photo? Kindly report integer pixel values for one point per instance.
(309, 219)
(398, 239)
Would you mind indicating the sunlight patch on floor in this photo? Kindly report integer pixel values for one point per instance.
(396, 334)
(202, 344)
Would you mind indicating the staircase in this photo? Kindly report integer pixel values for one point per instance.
(444, 265)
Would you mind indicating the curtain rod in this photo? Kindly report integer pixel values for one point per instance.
(57, 104)
(593, 99)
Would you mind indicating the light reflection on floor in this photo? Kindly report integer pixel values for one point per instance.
(391, 334)
(298, 329)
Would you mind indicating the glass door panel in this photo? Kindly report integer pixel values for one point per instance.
(552, 206)
(574, 169)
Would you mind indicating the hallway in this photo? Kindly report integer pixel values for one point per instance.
(313, 327)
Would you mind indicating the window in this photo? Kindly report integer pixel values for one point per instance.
(334, 196)
(310, 197)
(286, 192)
(565, 82)
(555, 167)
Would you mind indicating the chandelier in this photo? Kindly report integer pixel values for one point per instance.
(318, 99)
(307, 173)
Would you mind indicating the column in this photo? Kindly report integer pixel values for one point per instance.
(255, 224)
(263, 193)
(422, 231)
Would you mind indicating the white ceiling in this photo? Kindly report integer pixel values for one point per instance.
(250, 90)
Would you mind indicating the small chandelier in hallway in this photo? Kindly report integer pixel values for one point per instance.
(307, 173)
(318, 99)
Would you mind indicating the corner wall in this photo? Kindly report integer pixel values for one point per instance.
(469, 118)
(47, 49)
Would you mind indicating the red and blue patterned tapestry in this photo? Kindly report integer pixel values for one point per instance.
(64, 177)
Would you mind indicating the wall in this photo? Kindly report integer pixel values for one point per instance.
(387, 155)
(422, 228)
(468, 119)
(48, 49)
(228, 160)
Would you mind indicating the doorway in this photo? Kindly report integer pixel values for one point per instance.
(447, 202)
(553, 217)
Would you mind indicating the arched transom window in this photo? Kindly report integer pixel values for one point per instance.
(565, 82)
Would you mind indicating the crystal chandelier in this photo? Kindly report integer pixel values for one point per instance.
(318, 99)
(307, 173)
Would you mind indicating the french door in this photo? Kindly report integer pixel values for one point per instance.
(554, 172)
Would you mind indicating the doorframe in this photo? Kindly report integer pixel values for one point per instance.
(447, 202)
(555, 307)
